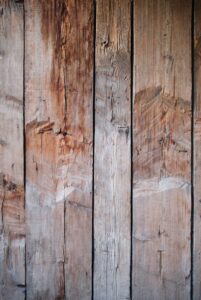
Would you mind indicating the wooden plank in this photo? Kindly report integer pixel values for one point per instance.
(59, 77)
(12, 229)
(162, 149)
(78, 150)
(112, 151)
(197, 155)
(44, 110)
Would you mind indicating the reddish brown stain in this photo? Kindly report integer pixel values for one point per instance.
(68, 144)
(160, 121)
(70, 36)
(65, 142)
(148, 94)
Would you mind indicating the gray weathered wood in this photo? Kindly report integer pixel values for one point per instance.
(59, 79)
(197, 155)
(12, 231)
(162, 149)
(112, 151)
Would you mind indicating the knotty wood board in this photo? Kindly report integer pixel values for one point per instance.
(162, 149)
(197, 156)
(112, 169)
(59, 78)
(12, 231)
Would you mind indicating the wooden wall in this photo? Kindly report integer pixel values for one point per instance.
(100, 149)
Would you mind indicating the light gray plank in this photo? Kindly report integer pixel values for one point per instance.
(12, 231)
(112, 211)
(197, 155)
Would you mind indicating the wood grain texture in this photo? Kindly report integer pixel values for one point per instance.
(12, 230)
(197, 155)
(112, 151)
(162, 149)
(59, 78)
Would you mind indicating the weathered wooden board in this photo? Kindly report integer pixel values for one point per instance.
(77, 151)
(12, 232)
(162, 149)
(197, 154)
(112, 151)
(59, 78)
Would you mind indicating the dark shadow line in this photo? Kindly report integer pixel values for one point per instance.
(24, 139)
(192, 143)
(131, 107)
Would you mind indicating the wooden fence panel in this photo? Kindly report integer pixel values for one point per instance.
(112, 170)
(59, 78)
(12, 231)
(162, 149)
(81, 237)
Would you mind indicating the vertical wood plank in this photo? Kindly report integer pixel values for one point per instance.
(197, 155)
(162, 149)
(59, 71)
(112, 151)
(77, 151)
(44, 116)
(12, 231)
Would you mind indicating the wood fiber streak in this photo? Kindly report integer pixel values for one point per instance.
(112, 211)
(197, 155)
(12, 229)
(162, 149)
(59, 135)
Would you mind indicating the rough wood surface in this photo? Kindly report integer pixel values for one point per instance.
(59, 71)
(58, 65)
(197, 155)
(12, 232)
(112, 151)
(162, 149)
